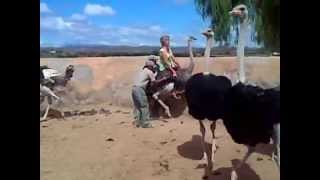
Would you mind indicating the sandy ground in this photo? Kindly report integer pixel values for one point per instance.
(100, 147)
(103, 147)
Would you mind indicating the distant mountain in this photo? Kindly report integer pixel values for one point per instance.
(104, 50)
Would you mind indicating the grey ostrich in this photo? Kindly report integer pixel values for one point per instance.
(47, 88)
(183, 74)
(62, 80)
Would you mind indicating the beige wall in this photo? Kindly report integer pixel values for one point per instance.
(110, 78)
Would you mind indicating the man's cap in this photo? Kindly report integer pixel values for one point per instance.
(150, 63)
(153, 57)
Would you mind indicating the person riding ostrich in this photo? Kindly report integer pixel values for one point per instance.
(177, 84)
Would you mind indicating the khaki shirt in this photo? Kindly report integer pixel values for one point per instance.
(144, 77)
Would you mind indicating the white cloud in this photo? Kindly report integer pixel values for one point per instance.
(97, 9)
(153, 30)
(103, 43)
(54, 23)
(72, 31)
(44, 8)
(124, 40)
(156, 28)
(78, 17)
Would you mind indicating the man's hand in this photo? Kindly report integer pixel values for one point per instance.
(174, 94)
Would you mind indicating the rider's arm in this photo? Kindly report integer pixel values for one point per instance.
(174, 59)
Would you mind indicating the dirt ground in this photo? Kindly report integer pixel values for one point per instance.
(106, 146)
(100, 147)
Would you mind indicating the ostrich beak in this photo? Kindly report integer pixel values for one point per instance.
(207, 33)
(235, 12)
(192, 38)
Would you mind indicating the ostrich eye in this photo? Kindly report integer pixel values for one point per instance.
(242, 9)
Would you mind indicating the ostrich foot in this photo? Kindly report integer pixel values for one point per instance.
(208, 171)
(203, 162)
(168, 113)
(234, 175)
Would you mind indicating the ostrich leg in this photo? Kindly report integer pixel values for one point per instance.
(48, 92)
(204, 160)
(46, 113)
(276, 141)
(214, 146)
(166, 90)
(234, 175)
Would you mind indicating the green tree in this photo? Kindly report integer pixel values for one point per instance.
(263, 14)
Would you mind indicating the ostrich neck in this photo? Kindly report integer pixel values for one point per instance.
(208, 47)
(207, 52)
(190, 67)
(240, 50)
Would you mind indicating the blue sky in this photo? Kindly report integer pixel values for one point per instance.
(119, 22)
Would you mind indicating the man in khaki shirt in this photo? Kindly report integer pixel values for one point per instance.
(139, 95)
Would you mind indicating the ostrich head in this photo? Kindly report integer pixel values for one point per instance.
(191, 38)
(69, 72)
(240, 11)
(208, 33)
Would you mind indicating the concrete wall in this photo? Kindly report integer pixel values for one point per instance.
(109, 79)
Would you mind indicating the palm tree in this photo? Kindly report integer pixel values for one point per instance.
(264, 15)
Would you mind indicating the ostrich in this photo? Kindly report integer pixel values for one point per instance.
(183, 74)
(59, 79)
(49, 80)
(250, 114)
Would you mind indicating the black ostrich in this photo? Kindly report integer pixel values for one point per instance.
(250, 114)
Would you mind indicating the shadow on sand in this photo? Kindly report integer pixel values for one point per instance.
(192, 150)
(244, 173)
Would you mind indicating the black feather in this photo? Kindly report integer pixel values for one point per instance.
(205, 95)
(250, 113)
